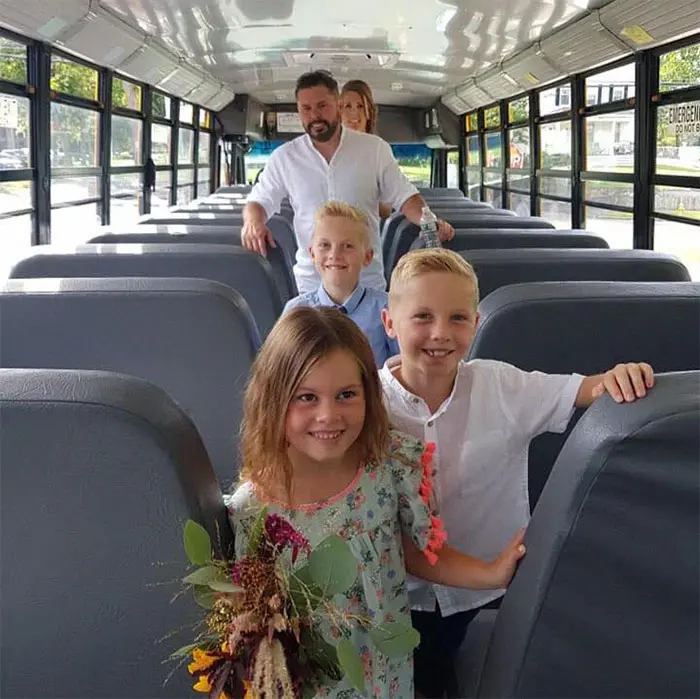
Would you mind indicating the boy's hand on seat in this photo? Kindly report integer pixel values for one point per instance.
(445, 231)
(626, 382)
(503, 568)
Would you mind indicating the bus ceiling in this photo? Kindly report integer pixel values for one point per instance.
(463, 53)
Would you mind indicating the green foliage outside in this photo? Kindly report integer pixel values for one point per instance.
(680, 69)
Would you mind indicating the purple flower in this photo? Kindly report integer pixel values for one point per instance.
(280, 532)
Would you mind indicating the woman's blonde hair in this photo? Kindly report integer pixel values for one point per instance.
(298, 341)
(371, 109)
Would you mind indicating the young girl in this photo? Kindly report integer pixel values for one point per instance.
(331, 465)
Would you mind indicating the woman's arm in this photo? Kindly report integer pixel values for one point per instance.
(459, 570)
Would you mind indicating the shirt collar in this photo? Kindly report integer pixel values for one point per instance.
(310, 143)
(350, 304)
(388, 376)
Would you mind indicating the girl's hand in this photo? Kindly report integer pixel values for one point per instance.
(502, 569)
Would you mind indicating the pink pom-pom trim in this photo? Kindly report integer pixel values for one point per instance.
(437, 535)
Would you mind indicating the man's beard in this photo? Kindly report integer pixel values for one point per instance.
(326, 134)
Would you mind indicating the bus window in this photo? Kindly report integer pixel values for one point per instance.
(256, 158)
(453, 169)
(415, 160)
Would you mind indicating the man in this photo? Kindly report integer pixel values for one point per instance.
(329, 163)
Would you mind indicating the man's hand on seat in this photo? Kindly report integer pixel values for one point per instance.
(255, 235)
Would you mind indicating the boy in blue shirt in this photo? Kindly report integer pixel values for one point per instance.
(340, 248)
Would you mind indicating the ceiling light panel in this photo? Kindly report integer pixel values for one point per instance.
(42, 19)
(585, 43)
(103, 38)
(659, 21)
(531, 68)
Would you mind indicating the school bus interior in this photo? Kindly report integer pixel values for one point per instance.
(559, 138)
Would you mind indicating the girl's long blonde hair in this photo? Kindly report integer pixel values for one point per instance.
(297, 342)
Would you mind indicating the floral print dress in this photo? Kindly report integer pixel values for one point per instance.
(382, 502)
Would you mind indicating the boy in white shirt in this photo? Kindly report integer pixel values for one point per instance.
(481, 415)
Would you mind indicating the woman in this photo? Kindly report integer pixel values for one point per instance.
(358, 108)
(359, 113)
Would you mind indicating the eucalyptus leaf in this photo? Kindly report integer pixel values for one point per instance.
(224, 586)
(197, 543)
(332, 566)
(304, 592)
(323, 654)
(351, 663)
(204, 597)
(256, 532)
(394, 639)
(203, 576)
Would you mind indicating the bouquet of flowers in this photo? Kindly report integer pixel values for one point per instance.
(262, 637)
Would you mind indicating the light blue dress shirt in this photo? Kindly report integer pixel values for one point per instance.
(364, 306)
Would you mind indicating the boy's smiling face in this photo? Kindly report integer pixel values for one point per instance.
(434, 318)
(339, 251)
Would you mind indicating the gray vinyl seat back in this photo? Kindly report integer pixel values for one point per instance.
(606, 602)
(234, 189)
(587, 328)
(391, 225)
(440, 192)
(193, 338)
(450, 211)
(497, 268)
(485, 239)
(405, 232)
(100, 472)
(146, 234)
(280, 227)
(247, 272)
(231, 219)
(234, 208)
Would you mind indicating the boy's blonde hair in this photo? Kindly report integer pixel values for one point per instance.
(419, 262)
(297, 342)
(339, 209)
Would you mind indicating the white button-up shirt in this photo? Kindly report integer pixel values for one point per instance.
(481, 433)
(362, 172)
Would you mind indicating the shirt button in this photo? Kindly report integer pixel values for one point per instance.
(414, 399)
(431, 423)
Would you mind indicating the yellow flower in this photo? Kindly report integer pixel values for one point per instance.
(203, 685)
(249, 693)
(202, 661)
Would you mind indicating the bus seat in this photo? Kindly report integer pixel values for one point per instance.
(146, 234)
(484, 239)
(280, 227)
(194, 338)
(243, 270)
(441, 192)
(606, 602)
(234, 189)
(448, 211)
(406, 232)
(496, 268)
(589, 327)
(286, 212)
(391, 225)
(99, 473)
